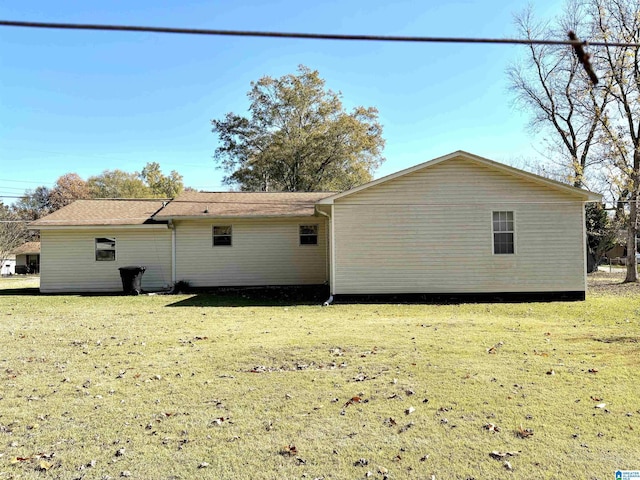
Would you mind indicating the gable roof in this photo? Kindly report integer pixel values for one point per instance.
(112, 211)
(242, 204)
(28, 248)
(584, 195)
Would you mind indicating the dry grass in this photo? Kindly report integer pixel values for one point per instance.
(181, 387)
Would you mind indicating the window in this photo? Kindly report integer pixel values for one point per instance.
(222, 236)
(503, 233)
(308, 234)
(105, 249)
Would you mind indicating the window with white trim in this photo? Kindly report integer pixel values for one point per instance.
(105, 249)
(503, 233)
(308, 234)
(222, 235)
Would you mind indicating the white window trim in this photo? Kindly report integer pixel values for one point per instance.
(493, 232)
(317, 235)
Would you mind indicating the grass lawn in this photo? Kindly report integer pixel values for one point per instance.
(191, 386)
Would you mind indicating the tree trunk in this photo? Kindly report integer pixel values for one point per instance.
(632, 269)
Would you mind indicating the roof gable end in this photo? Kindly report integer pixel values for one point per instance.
(583, 195)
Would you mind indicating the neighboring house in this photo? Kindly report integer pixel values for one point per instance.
(8, 265)
(27, 258)
(618, 254)
(459, 224)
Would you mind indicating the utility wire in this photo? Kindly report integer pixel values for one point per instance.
(311, 36)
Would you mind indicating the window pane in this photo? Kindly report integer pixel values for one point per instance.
(308, 229)
(503, 243)
(225, 230)
(308, 240)
(223, 240)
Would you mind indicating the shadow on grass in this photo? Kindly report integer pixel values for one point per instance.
(255, 297)
(20, 291)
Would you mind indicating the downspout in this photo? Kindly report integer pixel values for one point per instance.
(329, 300)
(173, 252)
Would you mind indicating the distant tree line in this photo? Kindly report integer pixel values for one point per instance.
(42, 200)
(149, 183)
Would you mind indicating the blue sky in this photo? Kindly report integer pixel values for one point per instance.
(84, 102)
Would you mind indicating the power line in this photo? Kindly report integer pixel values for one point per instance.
(308, 36)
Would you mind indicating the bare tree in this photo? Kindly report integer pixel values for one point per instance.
(619, 68)
(12, 232)
(553, 87)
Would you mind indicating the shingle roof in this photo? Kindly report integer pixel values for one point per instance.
(102, 212)
(242, 204)
(27, 248)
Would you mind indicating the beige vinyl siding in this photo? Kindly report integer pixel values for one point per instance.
(431, 232)
(263, 252)
(68, 264)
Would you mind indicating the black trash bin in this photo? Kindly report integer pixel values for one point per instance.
(132, 279)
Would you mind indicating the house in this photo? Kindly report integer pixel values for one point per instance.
(8, 265)
(456, 225)
(27, 258)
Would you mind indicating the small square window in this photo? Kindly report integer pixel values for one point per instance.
(308, 234)
(105, 249)
(222, 236)
(503, 233)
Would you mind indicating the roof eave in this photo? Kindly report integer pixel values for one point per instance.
(173, 218)
(157, 226)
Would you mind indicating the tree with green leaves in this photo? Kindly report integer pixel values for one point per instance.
(118, 184)
(298, 137)
(162, 186)
(34, 203)
(602, 233)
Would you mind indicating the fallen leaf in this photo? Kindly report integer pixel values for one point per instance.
(507, 465)
(289, 450)
(203, 465)
(500, 455)
(491, 427)
(353, 400)
(593, 370)
(601, 405)
(524, 432)
(391, 422)
(44, 465)
(551, 372)
(409, 411)
(406, 427)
